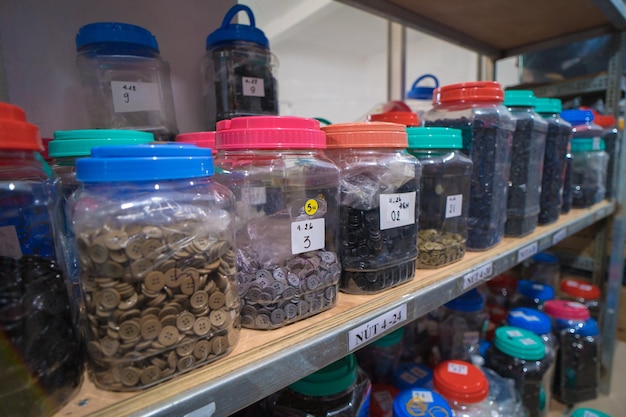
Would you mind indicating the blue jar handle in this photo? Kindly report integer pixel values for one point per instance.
(236, 9)
(424, 77)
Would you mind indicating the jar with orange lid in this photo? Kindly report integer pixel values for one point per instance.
(406, 118)
(378, 207)
(464, 387)
(583, 292)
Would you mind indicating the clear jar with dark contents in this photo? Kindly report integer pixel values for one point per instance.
(532, 294)
(611, 139)
(567, 182)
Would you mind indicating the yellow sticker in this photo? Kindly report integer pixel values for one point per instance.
(311, 206)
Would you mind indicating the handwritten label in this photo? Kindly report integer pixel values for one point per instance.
(424, 396)
(254, 87)
(397, 210)
(559, 236)
(307, 235)
(454, 205)
(457, 368)
(135, 96)
(366, 332)
(206, 411)
(253, 195)
(477, 275)
(9, 242)
(527, 251)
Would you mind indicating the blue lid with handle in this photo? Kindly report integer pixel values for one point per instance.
(231, 32)
(577, 117)
(115, 32)
(422, 93)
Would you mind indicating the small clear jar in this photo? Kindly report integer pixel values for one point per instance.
(420, 98)
(544, 268)
(380, 358)
(444, 199)
(379, 206)
(501, 291)
(341, 389)
(155, 240)
(532, 294)
(464, 387)
(421, 402)
(287, 207)
(583, 292)
(126, 82)
(409, 375)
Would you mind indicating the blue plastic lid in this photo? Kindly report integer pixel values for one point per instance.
(420, 402)
(115, 32)
(468, 302)
(422, 93)
(546, 258)
(412, 375)
(230, 32)
(529, 319)
(583, 328)
(531, 289)
(144, 163)
(577, 117)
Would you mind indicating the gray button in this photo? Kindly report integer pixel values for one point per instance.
(262, 321)
(278, 316)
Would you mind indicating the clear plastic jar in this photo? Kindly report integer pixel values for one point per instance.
(287, 194)
(501, 291)
(381, 400)
(341, 389)
(529, 146)
(420, 98)
(445, 185)
(239, 71)
(155, 239)
(421, 402)
(532, 294)
(612, 146)
(409, 375)
(557, 139)
(583, 292)
(476, 108)
(126, 82)
(464, 387)
(568, 194)
(544, 268)
(380, 197)
(380, 359)
(416, 341)
(503, 397)
(41, 351)
(200, 139)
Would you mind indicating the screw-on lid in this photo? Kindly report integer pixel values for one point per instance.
(580, 289)
(390, 339)
(333, 379)
(468, 302)
(460, 381)
(434, 138)
(422, 93)
(471, 92)
(606, 121)
(411, 375)
(584, 328)
(548, 105)
(115, 32)
(535, 290)
(530, 319)
(366, 135)
(72, 143)
(407, 118)
(568, 310)
(587, 144)
(144, 163)
(519, 343)
(588, 412)
(545, 258)
(524, 98)
(230, 32)
(420, 402)
(15, 132)
(201, 139)
(577, 117)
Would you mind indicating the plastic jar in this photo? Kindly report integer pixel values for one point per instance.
(557, 139)
(155, 239)
(126, 82)
(420, 98)
(416, 341)
(503, 397)
(380, 197)
(200, 139)
(406, 118)
(340, 389)
(476, 108)
(381, 400)
(588, 412)
(41, 356)
(612, 147)
(421, 402)
(409, 375)
(532, 294)
(287, 195)
(527, 153)
(501, 291)
(239, 71)
(464, 387)
(544, 268)
(583, 292)
(568, 194)
(380, 358)
(445, 185)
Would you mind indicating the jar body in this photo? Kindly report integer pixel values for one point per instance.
(286, 221)
(379, 362)
(612, 144)
(568, 194)
(460, 333)
(444, 199)
(65, 170)
(543, 268)
(588, 177)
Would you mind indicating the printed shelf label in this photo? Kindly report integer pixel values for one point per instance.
(527, 251)
(364, 333)
(477, 275)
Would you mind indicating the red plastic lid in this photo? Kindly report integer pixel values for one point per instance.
(567, 310)
(471, 92)
(503, 284)
(604, 121)
(580, 289)
(406, 118)
(200, 139)
(15, 132)
(269, 132)
(366, 135)
(381, 403)
(460, 381)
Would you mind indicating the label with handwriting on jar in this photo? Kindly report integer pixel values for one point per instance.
(397, 210)
(135, 96)
(457, 368)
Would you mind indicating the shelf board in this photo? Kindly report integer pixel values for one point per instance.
(249, 373)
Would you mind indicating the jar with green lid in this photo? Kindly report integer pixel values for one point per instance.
(380, 359)
(341, 389)
(444, 200)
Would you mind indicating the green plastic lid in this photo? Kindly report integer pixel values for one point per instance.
(548, 105)
(519, 98)
(390, 339)
(70, 143)
(434, 138)
(587, 144)
(333, 379)
(519, 343)
(588, 412)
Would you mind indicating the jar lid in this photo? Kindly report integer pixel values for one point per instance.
(587, 144)
(606, 121)
(230, 32)
(468, 302)
(420, 402)
(200, 139)
(68, 143)
(530, 319)
(116, 32)
(144, 163)
(422, 93)
(411, 375)
(548, 105)
(407, 118)
(390, 339)
(524, 98)
(535, 290)
(366, 135)
(519, 343)
(545, 258)
(460, 381)
(471, 92)
(580, 289)
(269, 132)
(332, 379)
(568, 310)
(15, 132)
(588, 412)
(434, 138)
(577, 117)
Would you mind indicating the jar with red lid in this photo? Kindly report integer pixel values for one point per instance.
(464, 387)
(612, 144)
(200, 139)
(583, 292)
(406, 118)
(487, 129)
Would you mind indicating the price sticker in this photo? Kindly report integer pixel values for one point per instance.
(9, 242)
(253, 195)
(307, 235)
(590, 414)
(457, 368)
(454, 205)
(573, 284)
(364, 333)
(514, 333)
(521, 315)
(527, 251)
(423, 396)
(586, 287)
(559, 236)
(253, 87)
(574, 304)
(135, 96)
(596, 143)
(477, 275)
(528, 342)
(397, 210)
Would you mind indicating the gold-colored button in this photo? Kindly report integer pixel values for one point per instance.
(217, 300)
(109, 346)
(150, 328)
(109, 298)
(201, 350)
(112, 269)
(150, 374)
(185, 347)
(185, 321)
(115, 239)
(187, 286)
(128, 303)
(218, 317)
(154, 281)
(130, 329)
(169, 320)
(98, 253)
(118, 256)
(133, 248)
(130, 376)
(201, 244)
(186, 362)
(202, 326)
(152, 232)
(173, 278)
(151, 248)
(199, 299)
(219, 345)
(168, 336)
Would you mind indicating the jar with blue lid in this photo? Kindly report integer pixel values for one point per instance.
(420, 97)
(532, 294)
(239, 71)
(155, 242)
(409, 375)
(544, 268)
(420, 402)
(444, 200)
(125, 80)
(380, 358)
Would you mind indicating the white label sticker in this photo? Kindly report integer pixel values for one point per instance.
(559, 236)
(397, 210)
(477, 275)
(253, 87)
(514, 333)
(307, 235)
(586, 287)
(423, 396)
(9, 242)
(253, 195)
(206, 411)
(574, 304)
(454, 205)
(457, 368)
(590, 414)
(527, 251)
(570, 283)
(522, 315)
(366, 332)
(135, 96)
(528, 342)
(596, 143)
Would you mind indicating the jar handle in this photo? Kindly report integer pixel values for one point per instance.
(424, 77)
(236, 9)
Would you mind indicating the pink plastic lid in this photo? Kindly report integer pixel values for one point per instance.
(269, 132)
(567, 310)
(200, 139)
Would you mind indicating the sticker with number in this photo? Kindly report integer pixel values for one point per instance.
(135, 96)
(397, 210)
(307, 235)
(9, 242)
(586, 287)
(253, 195)
(514, 333)
(454, 205)
(596, 143)
(457, 368)
(423, 396)
(253, 86)
(365, 333)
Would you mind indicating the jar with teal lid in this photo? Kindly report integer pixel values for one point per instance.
(155, 243)
(589, 412)
(380, 358)
(341, 389)
(420, 402)
(444, 201)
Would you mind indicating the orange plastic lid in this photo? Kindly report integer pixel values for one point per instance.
(471, 92)
(604, 120)
(406, 118)
(580, 289)
(461, 382)
(366, 135)
(15, 132)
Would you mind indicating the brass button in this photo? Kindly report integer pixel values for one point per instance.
(185, 347)
(217, 300)
(154, 281)
(218, 317)
(109, 298)
(98, 253)
(168, 336)
(187, 286)
(199, 299)
(133, 249)
(109, 346)
(186, 362)
(201, 350)
(202, 326)
(150, 328)
(150, 374)
(130, 376)
(115, 239)
(130, 329)
(151, 248)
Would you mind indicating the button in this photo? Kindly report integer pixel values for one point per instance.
(168, 336)
(185, 347)
(202, 326)
(118, 256)
(231, 300)
(98, 253)
(201, 350)
(217, 300)
(129, 302)
(94, 351)
(115, 239)
(291, 311)
(187, 285)
(154, 281)
(133, 249)
(218, 317)
(278, 317)
(201, 244)
(185, 321)
(152, 232)
(293, 280)
(130, 329)
(262, 321)
(280, 274)
(199, 299)
(328, 257)
(312, 282)
(140, 267)
(186, 362)
(112, 269)
(109, 298)
(151, 248)
(219, 345)
(278, 286)
(172, 359)
(150, 374)
(173, 278)
(130, 376)
(150, 328)
(289, 293)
